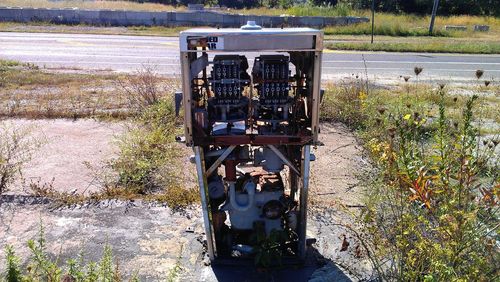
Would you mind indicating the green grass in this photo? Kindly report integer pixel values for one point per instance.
(8, 63)
(434, 47)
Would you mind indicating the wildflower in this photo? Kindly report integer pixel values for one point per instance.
(417, 70)
(455, 99)
(407, 117)
(485, 142)
(455, 124)
(479, 73)
(441, 86)
(416, 115)
(406, 78)
(378, 121)
(408, 106)
(495, 142)
(487, 83)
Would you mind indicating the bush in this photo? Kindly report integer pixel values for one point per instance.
(141, 89)
(148, 146)
(149, 162)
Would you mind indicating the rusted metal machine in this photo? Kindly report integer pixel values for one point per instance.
(251, 108)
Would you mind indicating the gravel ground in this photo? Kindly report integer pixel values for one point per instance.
(150, 239)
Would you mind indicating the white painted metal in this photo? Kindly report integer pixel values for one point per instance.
(202, 182)
(303, 200)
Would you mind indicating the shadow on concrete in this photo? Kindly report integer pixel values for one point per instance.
(290, 273)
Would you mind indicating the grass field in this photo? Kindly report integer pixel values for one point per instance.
(467, 47)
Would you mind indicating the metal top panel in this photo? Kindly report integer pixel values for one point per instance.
(265, 39)
(236, 31)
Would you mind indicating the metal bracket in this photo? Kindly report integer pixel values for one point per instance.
(220, 160)
(283, 158)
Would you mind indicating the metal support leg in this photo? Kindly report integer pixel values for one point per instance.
(219, 160)
(202, 181)
(283, 158)
(303, 200)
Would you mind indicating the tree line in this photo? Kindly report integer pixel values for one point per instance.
(446, 7)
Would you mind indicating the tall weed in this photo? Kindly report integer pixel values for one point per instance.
(433, 211)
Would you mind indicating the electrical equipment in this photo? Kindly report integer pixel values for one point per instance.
(271, 77)
(228, 79)
(251, 132)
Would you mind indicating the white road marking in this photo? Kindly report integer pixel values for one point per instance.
(413, 62)
(430, 70)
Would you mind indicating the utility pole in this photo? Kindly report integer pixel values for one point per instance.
(373, 18)
(434, 12)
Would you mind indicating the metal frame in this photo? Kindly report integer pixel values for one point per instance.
(299, 178)
(304, 191)
(202, 182)
(243, 36)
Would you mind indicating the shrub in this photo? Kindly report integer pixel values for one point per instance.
(149, 159)
(147, 147)
(141, 89)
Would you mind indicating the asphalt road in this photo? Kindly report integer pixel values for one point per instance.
(128, 53)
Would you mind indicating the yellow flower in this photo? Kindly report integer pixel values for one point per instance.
(362, 95)
(407, 117)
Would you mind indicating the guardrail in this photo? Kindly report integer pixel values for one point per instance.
(174, 18)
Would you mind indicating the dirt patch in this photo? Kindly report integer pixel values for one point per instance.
(67, 147)
(336, 198)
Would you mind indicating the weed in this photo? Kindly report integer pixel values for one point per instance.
(344, 104)
(433, 212)
(174, 272)
(142, 89)
(40, 266)
(17, 146)
(13, 272)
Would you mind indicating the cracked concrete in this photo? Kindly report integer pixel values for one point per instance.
(150, 240)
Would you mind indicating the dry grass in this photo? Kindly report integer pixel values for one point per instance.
(413, 25)
(87, 29)
(176, 197)
(349, 102)
(385, 23)
(110, 5)
(17, 146)
(28, 92)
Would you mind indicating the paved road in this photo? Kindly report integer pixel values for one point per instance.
(128, 53)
